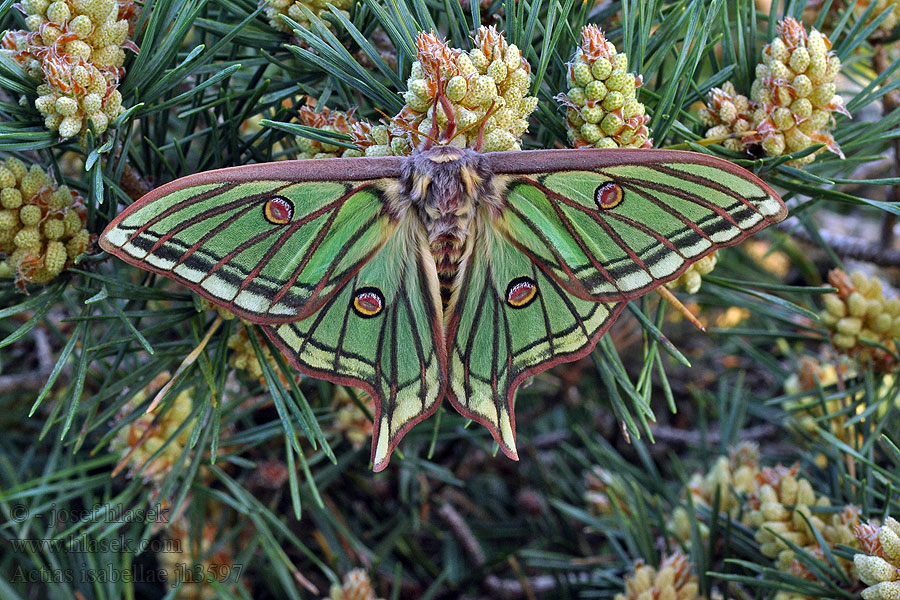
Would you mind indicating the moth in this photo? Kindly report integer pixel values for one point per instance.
(446, 273)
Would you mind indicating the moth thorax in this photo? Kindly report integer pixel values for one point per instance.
(446, 186)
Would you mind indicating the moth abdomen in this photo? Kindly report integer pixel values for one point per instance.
(447, 252)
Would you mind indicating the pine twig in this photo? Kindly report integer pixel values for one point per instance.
(503, 589)
(685, 437)
(848, 247)
(33, 380)
(133, 184)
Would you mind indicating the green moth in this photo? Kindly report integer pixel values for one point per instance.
(445, 273)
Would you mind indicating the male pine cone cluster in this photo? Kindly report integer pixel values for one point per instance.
(41, 224)
(356, 585)
(863, 323)
(878, 564)
(486, 90)
(330, 121)
(727, 114)
(792, 99)
(673, 580)
(777, 505)
(243, 356)
(783, 510)
(881, 6)
(350, 421)
(484, 97)
(602, 109)
(139, 445)
(297, 10)
(76, 48)
(809, 411)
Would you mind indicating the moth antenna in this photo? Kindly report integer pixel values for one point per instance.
(433, 132)
(480, 124)
(674, 301)
(450, 132)
(480, 141)
(441, 98)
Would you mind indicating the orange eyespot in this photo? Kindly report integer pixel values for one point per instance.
(368, 302)
(609, 195)
(520, 292)
(278, 210)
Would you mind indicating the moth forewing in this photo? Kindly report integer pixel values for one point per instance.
(268, 250)
(614, 224)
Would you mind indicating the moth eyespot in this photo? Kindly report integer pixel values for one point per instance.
(278, 210)
(520, 292)
(609, 195)
(368, 302)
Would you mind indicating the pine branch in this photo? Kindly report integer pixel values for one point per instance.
(855, 248)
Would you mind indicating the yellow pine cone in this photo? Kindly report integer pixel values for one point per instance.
(243, 357)
(878, 564)
(349, 420)
(881, 6)
(605, 493)
(727, 113)
(295, 10)
(41, 224)
(777, 512)
(735, 474)
(355, 586)
(859, 313)
(807, 412)
(692, 278)
(141, 438)
(330, 121)
(732, 477)
(795, 94)
(76, 48)
(193, 560)
(672, 581)
(602, 110)
(476, 99)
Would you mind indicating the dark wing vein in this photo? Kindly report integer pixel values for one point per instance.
(708, 183)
